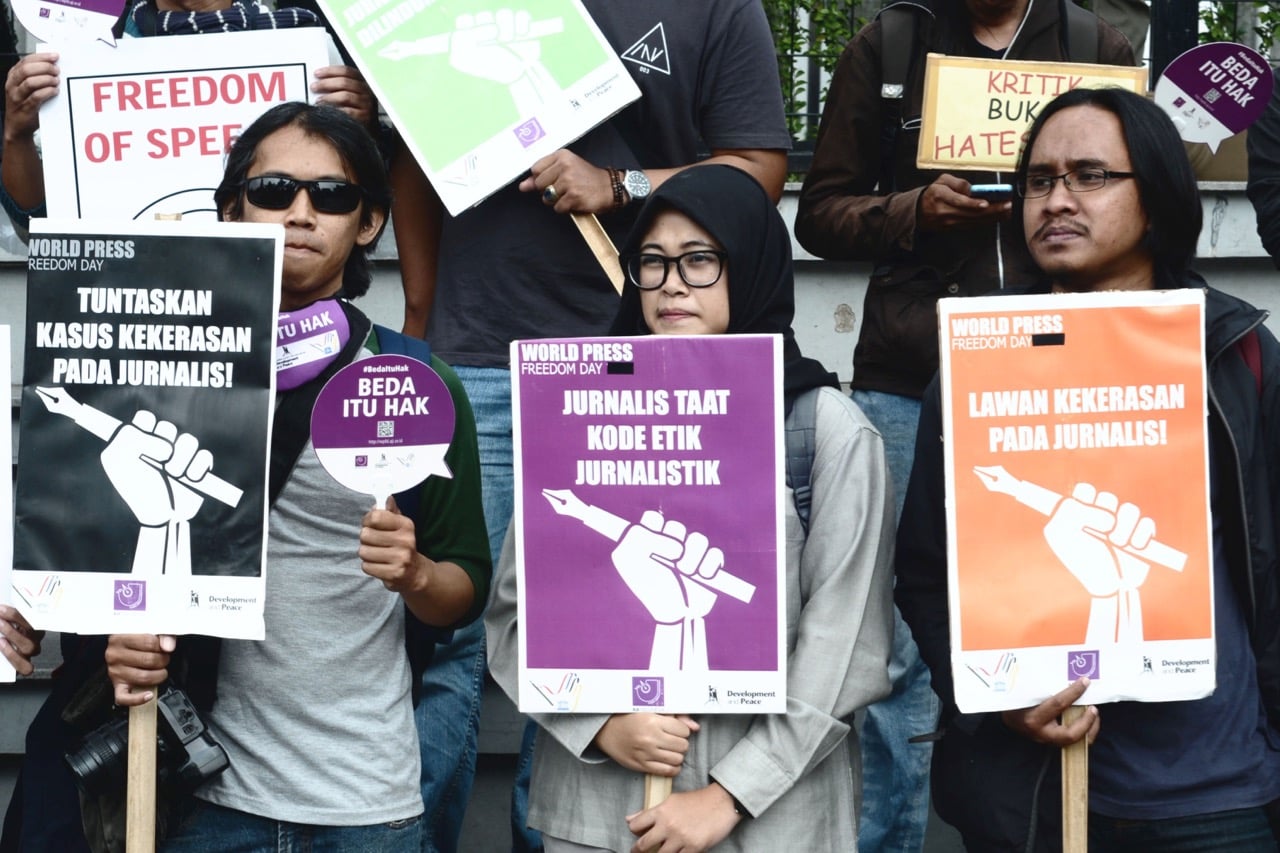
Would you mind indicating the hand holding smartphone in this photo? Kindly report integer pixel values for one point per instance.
(991, 192)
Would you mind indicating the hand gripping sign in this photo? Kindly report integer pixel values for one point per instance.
(382, 425)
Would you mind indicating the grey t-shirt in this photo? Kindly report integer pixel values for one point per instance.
(318, 719)
(512, 268)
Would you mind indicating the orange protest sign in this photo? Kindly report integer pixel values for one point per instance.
(976, 111)
(1077, 496)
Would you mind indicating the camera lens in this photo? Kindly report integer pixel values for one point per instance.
(99, 764)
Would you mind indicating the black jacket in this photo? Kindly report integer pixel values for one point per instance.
(987, 780)
(844, 215)
(1263, 143)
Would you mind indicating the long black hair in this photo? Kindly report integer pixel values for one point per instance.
(1166, 181)
(359, 155)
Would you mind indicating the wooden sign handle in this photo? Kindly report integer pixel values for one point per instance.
(140, 804)
(604, 250)
(140, 793)
(1075, 789)
(656, 789)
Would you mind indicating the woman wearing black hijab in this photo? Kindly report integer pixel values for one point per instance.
(732, 207)
(709, 254)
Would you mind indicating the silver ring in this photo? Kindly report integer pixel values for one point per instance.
(549, 195)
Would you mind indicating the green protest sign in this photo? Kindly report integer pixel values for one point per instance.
(481, 91)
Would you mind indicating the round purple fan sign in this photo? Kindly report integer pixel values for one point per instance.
(382, 425)
(1215, 90)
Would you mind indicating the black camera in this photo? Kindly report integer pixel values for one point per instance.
(186, 754)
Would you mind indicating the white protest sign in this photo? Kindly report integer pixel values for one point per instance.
(143, 128)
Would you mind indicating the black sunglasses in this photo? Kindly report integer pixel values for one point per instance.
(276, 192)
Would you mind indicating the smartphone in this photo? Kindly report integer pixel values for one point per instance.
(991, 192)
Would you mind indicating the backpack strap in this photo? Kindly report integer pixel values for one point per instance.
(1081, 33)
(391, 342)
(801, 435)
(897, 50)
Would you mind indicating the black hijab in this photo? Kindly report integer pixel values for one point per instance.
(734, 209)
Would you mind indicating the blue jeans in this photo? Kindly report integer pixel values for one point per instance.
(1239, 830)
(489, 389)
(448, 721)
(448, 716)
(895, 773)
(207, 828)
(523, 838)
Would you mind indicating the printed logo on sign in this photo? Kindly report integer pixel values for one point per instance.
(563, 696)
(362, 461)
(713, 696)
(44, 13)
(529, 132)
(646, 691)
(42, 598)
(1000, 676)
(650, 52)
(1146, 665)
(1083, 665)
(131, 595)
(1182, 666)
(386, 429)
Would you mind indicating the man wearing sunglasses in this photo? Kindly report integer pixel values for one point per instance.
(318, 720)
(1106, 200)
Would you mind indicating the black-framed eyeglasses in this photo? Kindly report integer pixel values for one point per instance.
(276, 192)
(699, 268)
(1077, 181)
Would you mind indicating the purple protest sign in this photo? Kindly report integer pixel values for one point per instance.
(383, 424)
(649, 523)
(1214, 91)
(307, 341)
(69, 21)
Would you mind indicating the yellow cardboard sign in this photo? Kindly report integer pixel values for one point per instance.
(977, 111)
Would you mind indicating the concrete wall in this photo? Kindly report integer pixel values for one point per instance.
(828, 295)
(828, 311)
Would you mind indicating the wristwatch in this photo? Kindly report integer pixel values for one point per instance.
(636, 183)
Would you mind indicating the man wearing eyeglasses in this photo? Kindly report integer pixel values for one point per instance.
(1108, 201)
(927, 237)
(318, 720)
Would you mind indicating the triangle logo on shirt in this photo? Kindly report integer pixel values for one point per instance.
(650, 52)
